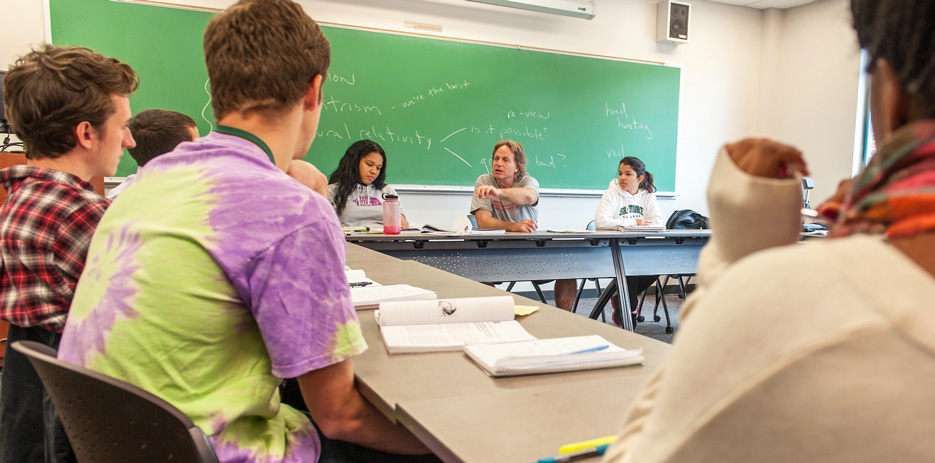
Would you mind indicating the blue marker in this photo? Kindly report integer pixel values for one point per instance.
(575, 456)
(588, 350)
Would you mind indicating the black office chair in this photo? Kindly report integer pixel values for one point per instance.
(660, 286)
(684, 219)
(535, 284)
(679, 220)
(110, 420)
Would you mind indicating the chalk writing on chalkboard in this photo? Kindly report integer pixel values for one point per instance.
(341, 79)
(575, 115)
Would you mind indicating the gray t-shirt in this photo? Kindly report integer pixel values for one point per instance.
(502, 209)
(364, 206)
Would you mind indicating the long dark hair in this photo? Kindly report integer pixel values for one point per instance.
(347, 174)
(640, 168)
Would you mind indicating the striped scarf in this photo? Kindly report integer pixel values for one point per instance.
(895, 194)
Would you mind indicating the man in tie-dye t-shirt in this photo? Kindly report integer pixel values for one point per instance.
(215, 274)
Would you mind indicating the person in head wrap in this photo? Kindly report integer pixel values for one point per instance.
(823, 351)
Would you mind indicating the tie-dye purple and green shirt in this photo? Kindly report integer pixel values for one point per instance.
(212, 276)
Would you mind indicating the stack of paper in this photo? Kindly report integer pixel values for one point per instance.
(553, 230)
(461, 226)
(448, 324)
(486, 231)
(551, 356)
(427, 228)
(370, 297)
(651, 227)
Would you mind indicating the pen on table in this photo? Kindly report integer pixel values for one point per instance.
(358, 284)
(585, 351)
(575, 446)
(575, 456)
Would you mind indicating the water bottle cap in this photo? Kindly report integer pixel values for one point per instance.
(389, 196)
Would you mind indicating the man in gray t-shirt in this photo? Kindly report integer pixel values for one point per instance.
(507, 197)
(503, 209)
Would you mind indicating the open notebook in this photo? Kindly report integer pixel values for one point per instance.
(463, 225)
(551, 355)
(448, 324)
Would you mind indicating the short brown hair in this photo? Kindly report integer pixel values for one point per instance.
(157, 131)
(50, 90)
(261, 55)
(519, 156)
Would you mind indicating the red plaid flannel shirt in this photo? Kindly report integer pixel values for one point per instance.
(46, 226)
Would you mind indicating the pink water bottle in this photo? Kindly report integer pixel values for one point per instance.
(391, 219)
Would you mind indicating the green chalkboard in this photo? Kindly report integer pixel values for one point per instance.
(436, 106)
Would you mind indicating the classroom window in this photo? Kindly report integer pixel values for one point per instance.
(869, 143)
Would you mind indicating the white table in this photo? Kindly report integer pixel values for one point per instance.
(548, 256)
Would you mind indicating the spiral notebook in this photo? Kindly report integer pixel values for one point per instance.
(553, 355)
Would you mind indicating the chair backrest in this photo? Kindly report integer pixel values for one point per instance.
(4, 329)
(110, 420)
(807, 185)
(15, 159)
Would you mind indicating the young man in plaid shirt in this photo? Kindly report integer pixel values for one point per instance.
(69, 106)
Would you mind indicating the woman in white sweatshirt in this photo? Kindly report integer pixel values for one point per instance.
(630, 199)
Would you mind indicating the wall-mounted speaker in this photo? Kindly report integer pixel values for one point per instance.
(672, 21)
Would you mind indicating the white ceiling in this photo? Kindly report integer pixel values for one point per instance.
(764, 4)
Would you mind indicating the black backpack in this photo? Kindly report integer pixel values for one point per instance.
(686, 219)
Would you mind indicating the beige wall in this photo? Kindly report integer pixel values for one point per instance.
(23, 25)
(819, 90)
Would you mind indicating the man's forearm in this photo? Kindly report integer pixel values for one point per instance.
(520, 196)
(490, 222)
(341, 413)
(376, 431)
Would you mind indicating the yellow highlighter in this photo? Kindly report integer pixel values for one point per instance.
(574, 447)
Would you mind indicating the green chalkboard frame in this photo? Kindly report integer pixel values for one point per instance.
(436, 106)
